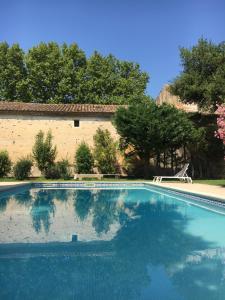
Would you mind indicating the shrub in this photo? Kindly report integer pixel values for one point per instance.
(64, 169)
(61, 169)
(5, 163)
(43, 151)
(105, 151)
(22, 168)
(52, 172)
(84, 159)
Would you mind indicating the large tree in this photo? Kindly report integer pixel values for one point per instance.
(138, 127)
(45, 70)
(50, 73)
(109, 80)
(73, 74)
(12, 73)
(202, 79)
(150, 130)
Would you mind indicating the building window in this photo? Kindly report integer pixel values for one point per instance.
(76, 123)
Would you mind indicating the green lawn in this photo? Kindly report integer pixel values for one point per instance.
(42, 179)
(219, 182)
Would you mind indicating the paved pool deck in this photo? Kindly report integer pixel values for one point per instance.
(5, 186)
(196, 188)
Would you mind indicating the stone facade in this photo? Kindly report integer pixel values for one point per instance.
(166, 97)
(18, 131)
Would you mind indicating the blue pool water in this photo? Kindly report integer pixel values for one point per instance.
(128, 242)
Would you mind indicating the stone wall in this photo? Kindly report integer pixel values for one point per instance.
(166, 97)
(17, 133)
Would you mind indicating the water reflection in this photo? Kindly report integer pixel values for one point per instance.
(83, 201)
(42, 209)
(150, 256)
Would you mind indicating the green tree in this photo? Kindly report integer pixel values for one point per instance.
(150, 130)
(138, 125)
(12, 73)
(105, 151)
(83, 159)
(50, 73)
(176, 130)
(73, 70)
(111, 81)
(44, 152)
(44, 65)
(202, 79)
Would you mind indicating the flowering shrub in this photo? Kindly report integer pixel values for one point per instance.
(220, 133)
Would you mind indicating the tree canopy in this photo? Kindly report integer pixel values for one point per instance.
(149, 129)
(202, 79)
(52, 73)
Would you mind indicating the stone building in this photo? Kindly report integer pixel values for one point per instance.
(70, 124)
(166, 97)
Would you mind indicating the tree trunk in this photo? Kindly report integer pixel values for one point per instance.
(175, 156)
(164, 159)
(158, 160)
(171, 153)
(185, 154)
(146, 166)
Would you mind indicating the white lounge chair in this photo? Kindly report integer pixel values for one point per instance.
(181, 175)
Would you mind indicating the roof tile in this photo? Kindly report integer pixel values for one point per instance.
(56, 108)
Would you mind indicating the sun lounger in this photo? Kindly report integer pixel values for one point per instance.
(181, 175)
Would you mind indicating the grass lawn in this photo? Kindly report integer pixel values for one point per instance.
(219, 182)
(42, 179)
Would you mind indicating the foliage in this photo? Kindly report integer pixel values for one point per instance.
(60, 169)
(206, 151)
(5, 163)
(84, 159)
(22, 168)
(203, 78)
(12, 73)
(220, 133)
(110, 80)
(43, 151)
(138, 127)
(105, 151)
(64, 169)
(50, 73)
(52, 172)
(149, 130)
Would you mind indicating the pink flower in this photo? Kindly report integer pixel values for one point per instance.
(220, 133)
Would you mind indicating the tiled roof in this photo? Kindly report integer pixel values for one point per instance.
(55, 108)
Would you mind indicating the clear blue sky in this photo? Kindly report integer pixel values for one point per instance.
(148, 32)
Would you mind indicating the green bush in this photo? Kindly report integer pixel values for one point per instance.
(105, 151)
(22, 168)
(52, 172)
(60, 169)
(44, 152)
(83, 159)
(64, 169)
(5, 163)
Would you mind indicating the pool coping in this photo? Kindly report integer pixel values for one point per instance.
(8, 186)
(191, 193)
(133, 183)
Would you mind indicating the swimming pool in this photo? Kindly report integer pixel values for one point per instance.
(110, 241)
